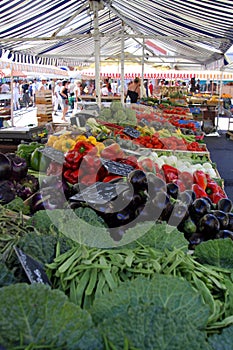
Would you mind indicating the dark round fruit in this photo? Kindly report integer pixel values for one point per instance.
(138, 180)
(209, 226)
(225, 204)
(222, 218)
(172, 190)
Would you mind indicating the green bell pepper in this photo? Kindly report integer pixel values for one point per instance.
(38, 161)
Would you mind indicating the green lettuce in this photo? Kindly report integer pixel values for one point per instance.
(216, 252)
(222, 341)
(34, 315)
(162, 313)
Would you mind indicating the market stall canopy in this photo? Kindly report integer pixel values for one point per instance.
(8, 69)
(177, 33)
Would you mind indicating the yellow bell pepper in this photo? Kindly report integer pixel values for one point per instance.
(51, 140)
(81, 138)
(67, 145)
(100, 146)
(92, 140)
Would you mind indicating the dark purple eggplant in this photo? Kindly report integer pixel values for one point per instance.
(158, 205)
(225, 234)
(199, 208)
(173, 190)
(7, 191)
(19, 167)
(58, 183)
(138, 180)
(209, 225)
(222, 218)
(195, 239)
(188, 227)
(230, 221)
(5, 167)
(225, 204)
(41, 201)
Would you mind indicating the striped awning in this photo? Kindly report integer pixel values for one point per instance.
(58, 32)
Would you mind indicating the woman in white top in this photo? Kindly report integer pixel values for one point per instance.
(16, 95)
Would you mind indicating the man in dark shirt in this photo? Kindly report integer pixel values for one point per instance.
(25, 93)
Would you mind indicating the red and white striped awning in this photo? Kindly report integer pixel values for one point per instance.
(202, 75)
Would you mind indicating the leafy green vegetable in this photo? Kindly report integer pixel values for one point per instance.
(163, 313)
(44, 317)
(43, 247)
(157, 236)
(90, 216)
(216, 252)
(6, 276)
(41, 221)
(222, 341)
(18, 205)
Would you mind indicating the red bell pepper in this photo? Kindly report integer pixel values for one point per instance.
(187, 179)
(199, 177)
(199, 191)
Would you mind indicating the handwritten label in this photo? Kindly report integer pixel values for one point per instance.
(32, 268)
(128, 130)
(117, 168)
(100, 193)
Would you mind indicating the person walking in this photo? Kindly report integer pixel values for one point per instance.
(16, 95)
(57, 96)
(25, 93)
(65, 101)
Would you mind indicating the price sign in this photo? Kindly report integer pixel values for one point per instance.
(100, 193)
(144, 121)
(128, 130)
(53, 154)
(117, 168)
(32, 268)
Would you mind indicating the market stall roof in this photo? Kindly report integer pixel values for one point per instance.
(59, 32)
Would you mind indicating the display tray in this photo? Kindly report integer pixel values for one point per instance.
(27, 133)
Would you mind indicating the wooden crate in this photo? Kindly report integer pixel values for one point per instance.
(44, 109)
(44, 97)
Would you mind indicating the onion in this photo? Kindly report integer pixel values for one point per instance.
(5, 167)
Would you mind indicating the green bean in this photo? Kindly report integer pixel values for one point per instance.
(92, 282)
(81, 286)
(100, 284)
(107, 274)
(65, 266)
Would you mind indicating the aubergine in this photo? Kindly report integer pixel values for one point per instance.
(160, 205)
(173, 190)
(208, 200)
(225, 234)
(209, 225)
(222, 218)
(5, 167)
(195, 239)
(199, 208)
(138, 180)
(225, 204)
(230, 221)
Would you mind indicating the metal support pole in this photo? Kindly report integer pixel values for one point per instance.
(143, 66)
(12, 96)
(122, 64)
(97, 53)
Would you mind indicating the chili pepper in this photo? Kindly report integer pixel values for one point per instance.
(199, 177)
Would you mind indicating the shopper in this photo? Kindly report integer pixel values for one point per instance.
(25, 94)
(16, 95)
(57, 96)
(64, 100)
(77, 93)
(134, 90)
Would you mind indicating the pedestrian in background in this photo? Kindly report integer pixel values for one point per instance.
(57, 96)
(65, 100)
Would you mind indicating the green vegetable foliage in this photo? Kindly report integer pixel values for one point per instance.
(37, 316)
